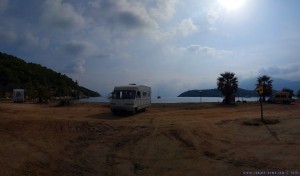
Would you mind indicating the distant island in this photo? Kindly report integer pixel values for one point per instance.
(216, 93)
(37, 81)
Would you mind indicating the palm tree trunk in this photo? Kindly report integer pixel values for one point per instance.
(227, 99)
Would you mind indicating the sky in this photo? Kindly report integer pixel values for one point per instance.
(170, 45)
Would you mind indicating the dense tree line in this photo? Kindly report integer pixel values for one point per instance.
(38, 81)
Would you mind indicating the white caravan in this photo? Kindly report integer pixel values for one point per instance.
(130, 98)
(18, 95)
(281, 97)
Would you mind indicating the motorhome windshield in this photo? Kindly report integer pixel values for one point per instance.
(124, 94)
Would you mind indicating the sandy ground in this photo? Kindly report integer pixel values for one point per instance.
(167, 139)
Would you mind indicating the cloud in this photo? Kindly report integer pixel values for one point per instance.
(121, 14)
(76, 67)
(212, 16)
(28, 40)
(7, 36)
(61, 15)
(3, 5)
(163, 10)
(74, 54)
(288, 71)
(205, 51)
(77, 48)
(169, 43)
(280, 70)
(186, 27)
(125, 21)
(23, 39)
(129, 20)
(102, 33)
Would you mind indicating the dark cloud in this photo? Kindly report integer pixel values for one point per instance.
(28, 39)
(120, 14)
(105, 36)
(75, 48)
(3, 5)
(291, 72)
(107, 5)
(61, 15)
(23, 39)
(129, 19)
(275, 70)
(7, 36)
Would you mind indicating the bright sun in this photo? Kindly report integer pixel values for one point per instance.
(231, 4)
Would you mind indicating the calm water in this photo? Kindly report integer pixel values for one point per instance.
(174, 99)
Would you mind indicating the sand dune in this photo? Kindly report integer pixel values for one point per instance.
(167, 139)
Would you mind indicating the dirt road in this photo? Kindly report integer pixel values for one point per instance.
(174, 139)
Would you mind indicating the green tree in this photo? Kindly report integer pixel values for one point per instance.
(30, 91)
(228, 84)
(38, 81)
(266, 82)
(43, 94)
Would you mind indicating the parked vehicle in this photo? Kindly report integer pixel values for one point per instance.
(18, 95)
(281, 97)
(131, 98)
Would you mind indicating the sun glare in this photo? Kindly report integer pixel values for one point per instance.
(231, 4)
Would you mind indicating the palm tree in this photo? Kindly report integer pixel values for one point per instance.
(228, 85)
(266, 82)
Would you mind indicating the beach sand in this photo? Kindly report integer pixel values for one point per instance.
(167, 139)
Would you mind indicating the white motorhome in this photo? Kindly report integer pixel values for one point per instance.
(281, 97)
(18, 95)
(130, 98)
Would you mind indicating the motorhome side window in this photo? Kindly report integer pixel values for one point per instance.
(124, 94)
(138, 94)
(144, 94)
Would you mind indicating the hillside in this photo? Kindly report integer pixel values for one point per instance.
(37, 80)
(217, 93)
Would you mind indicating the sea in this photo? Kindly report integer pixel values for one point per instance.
(175, 99)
